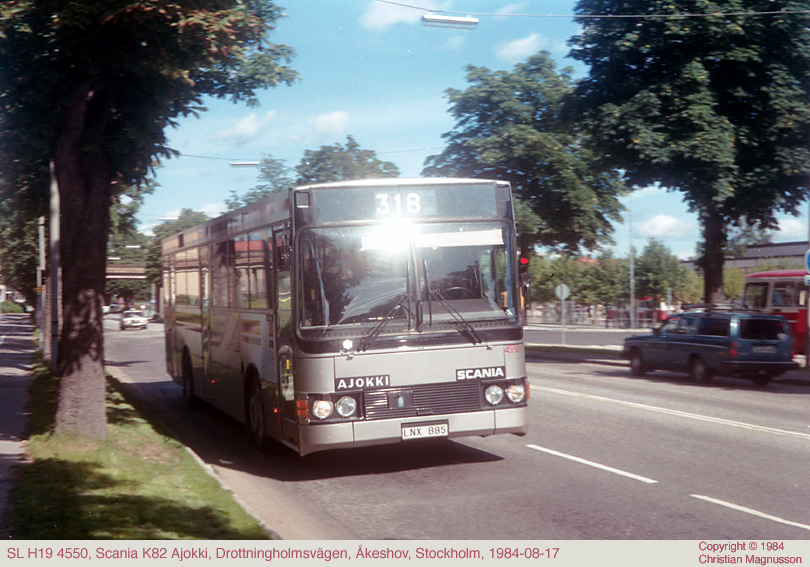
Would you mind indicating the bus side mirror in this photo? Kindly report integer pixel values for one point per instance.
(525, 289)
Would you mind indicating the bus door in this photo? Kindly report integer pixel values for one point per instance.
(284, 333)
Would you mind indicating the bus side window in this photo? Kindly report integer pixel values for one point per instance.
(260, 264)
(784, 295)
(241, 292)
(221, 266)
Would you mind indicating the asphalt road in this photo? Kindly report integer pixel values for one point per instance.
(608, 456)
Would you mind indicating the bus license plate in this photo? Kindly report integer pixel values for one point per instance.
(425, 431)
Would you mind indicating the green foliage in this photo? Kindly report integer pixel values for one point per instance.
(141, 63)
(606, 281)
(657, 270)
(138, 484)
(342, 163)
(742, 235)
(11, 307)
(19, 249)
(715, 107)
(733, 282)
(509, 126)
(275, 177)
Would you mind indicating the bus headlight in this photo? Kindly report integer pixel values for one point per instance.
(516, 393)
(346, 406)
(322, 408)
(494, 394)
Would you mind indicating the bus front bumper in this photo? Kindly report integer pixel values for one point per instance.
(321, 437)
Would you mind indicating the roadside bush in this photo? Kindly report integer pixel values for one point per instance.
(11, 307)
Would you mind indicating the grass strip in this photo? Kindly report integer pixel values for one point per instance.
(138, 483)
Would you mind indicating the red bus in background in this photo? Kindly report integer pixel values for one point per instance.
(782, 292)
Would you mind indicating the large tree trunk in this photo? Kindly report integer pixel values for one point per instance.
(84, 187)
(714, 241)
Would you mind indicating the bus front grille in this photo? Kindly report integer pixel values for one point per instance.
(423, 400)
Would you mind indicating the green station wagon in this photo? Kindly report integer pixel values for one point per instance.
(706, 343)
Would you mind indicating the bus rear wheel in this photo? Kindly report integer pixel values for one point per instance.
(256, 416)
(188, 382)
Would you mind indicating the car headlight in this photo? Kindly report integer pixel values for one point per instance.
(516, 393)
(346, 406)
(322, 408)
(494, 394)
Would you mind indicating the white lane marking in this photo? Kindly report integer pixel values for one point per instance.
(593, 464)
(678, 413)
(750, 511)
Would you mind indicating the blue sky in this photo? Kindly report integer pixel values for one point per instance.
(371, 70)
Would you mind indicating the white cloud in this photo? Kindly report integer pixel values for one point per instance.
(455, 43)
(379, 16)
(510, 9)
(661, 226)
(330, 123)
(791, 229)
(520, 49)
(247, 129)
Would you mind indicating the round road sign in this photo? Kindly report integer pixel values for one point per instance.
(562, 291)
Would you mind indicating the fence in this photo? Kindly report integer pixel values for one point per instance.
(593, 315)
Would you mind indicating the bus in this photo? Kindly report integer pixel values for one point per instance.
(782, 292)
(352, 314)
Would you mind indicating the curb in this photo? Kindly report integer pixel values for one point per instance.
(121, 379)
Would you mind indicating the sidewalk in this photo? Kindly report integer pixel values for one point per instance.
(16, 355)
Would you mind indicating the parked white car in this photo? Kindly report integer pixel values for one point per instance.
(133, 318)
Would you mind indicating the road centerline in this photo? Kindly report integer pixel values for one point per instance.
(593, 464)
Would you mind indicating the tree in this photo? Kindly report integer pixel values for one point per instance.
(342, 163)
(19, 239)
(274, 175)
(715, 107)
(90, 86)
(743, 235)
(657, 270)
(607, 281)
(509, 126)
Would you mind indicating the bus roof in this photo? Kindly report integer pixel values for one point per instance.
(778, 274)
(399, 181)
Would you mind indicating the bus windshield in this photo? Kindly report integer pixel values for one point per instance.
(415, 277)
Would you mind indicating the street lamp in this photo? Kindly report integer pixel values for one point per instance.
(444, 21)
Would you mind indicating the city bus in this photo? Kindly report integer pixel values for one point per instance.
(782, 292)
(351, 314)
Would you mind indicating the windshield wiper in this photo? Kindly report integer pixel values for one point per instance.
(367, 339)
(321, 287)
(462, 325)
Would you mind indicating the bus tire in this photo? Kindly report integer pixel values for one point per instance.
(188, 382)
(255, 414)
